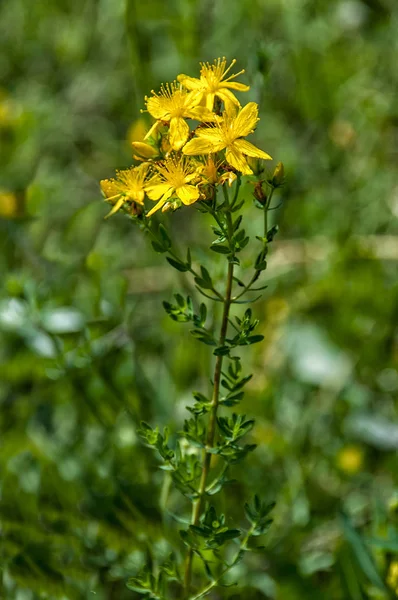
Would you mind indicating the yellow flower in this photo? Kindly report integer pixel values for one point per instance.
(227, 134)
(174, 178)
(392, 576)
(212, 83)
(350, 459)
(173, 105)
(8, 204)
(209, 170)
(129, 185)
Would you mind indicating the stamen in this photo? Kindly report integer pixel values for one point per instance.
(233, 76)
(230, 66)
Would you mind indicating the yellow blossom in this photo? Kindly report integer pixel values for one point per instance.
(129, 185)
(392, 576)
(227, 134)
(209, 170)
(212, 83)
(173, 105)
(174, 177)
(8, 204)
(350, 459)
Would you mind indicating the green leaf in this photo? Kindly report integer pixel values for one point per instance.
(164, 236)
(361, 552)
(202, 313)
(205, 274)
(158, 248)
(221, 351)
(226, 536)
(203, 283)
(272, 233)
(246, 301)
(214, 298)
(179, 265)
(237, 206)
(221, 249)
(203, 336)
(254, 339)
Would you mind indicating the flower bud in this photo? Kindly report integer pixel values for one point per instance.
(143, 150)
(259, 193)
(278, 175)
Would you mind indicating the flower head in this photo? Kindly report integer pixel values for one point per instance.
(174, 178)
(214, 83)
(173, 105)
(227, 134)
(210, 171)
(127, 186)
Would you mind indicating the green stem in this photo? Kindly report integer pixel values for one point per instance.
(213, 584)
(255, 276)
(211, 431)
(266, 208)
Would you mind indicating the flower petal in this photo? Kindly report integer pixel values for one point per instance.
(179, 132)
(158, 107)
(226, 96)
(201, 146)
(191, 83)
(202, 113)
(162, 201)
(209, 101)
(246, 120)
(236, 159)
(251, 150)
(192, 99)
(152, 130)
(116, 207)
(188, 194)
(109, 188)
(234, 85)
(138, 195)
(156, 190)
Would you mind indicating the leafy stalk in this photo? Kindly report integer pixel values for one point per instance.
(211, 431)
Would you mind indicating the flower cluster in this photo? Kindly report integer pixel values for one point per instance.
(195, 144)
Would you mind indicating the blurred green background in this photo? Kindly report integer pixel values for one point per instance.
(86, 350)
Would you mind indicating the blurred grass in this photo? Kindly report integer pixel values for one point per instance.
(85, 348)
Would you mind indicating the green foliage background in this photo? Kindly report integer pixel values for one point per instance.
(86, 350)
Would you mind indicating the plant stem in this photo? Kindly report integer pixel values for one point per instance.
(228, 568)
(211, 431)
(266, 208)
(255, 276)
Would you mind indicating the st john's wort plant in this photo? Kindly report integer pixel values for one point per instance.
(196, 154)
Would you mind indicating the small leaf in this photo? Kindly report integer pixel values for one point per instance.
(158, 248)
(165, 236)
(220, 249)
(221, 351)
(180, 266)
(254, 339)
(205, 274)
